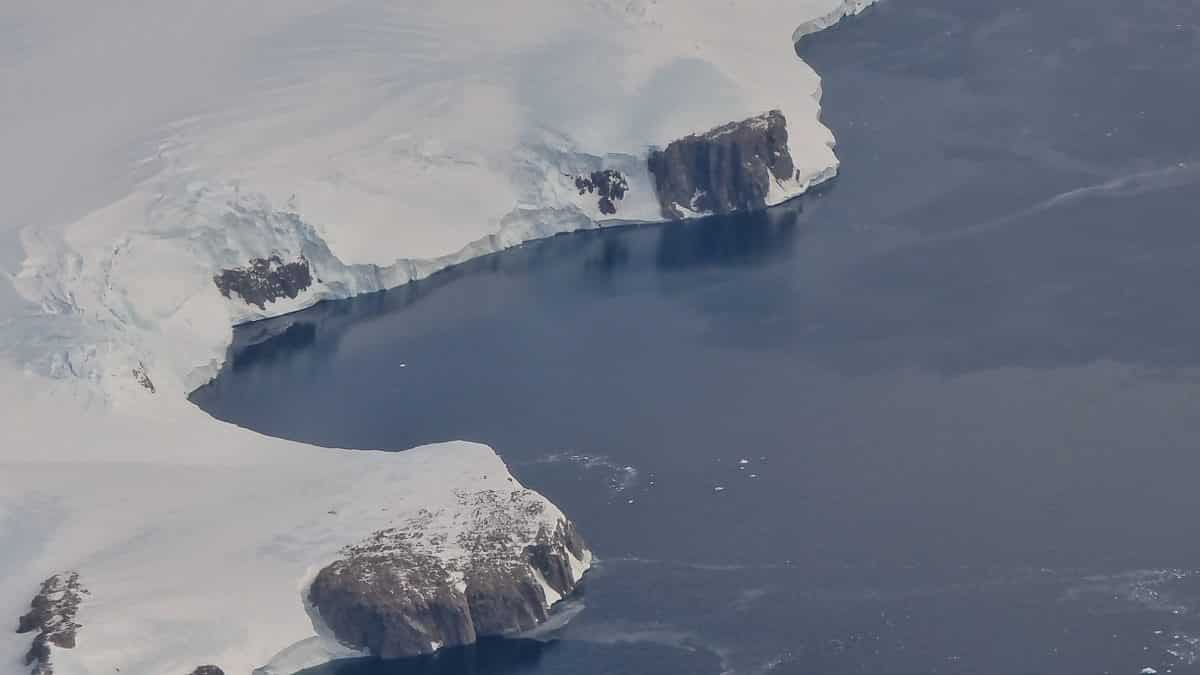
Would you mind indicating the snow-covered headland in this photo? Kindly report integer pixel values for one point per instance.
(173, 169)
(196, 541)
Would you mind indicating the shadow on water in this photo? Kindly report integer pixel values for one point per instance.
(489, 656)
(514, 656)
(292, 337)
(588, 263)
(746, 240)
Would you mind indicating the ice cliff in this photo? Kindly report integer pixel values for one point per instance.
(380, 142)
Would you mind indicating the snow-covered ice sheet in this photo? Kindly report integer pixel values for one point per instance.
(150, 145)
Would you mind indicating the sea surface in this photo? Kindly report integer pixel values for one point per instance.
(940, 416)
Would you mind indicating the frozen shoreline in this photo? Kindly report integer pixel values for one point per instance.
(193, 536)
(469, 162)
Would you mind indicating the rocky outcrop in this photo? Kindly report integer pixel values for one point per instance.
(727, 169)
(608, 185)
(265, 280)
(417, 588)
(51, 618)
(208, 670)
(143, 378)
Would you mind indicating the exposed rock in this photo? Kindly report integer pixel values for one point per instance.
(52, 616)
(139, 374)
(414, 589)
(208, 670)
(265, 280)
(610, 185)
(724, 170)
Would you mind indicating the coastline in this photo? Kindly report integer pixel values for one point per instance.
(122, 482)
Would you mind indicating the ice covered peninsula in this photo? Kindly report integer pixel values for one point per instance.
(172, 169)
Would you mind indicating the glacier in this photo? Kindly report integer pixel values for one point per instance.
(151, 146)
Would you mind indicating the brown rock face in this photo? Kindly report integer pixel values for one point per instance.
(394, 596)
(389, 599)
(724, 170)
(265, 280)
(208, 670)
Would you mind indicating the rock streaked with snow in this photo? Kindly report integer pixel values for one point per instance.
(51, 620)
(609, 185)
(413, 589)
(265, 280)
(738, 166)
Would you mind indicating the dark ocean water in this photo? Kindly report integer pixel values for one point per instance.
(942, 415)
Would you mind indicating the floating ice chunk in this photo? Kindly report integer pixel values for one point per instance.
(1149, 671)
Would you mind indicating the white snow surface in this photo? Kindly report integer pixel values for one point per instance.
(150, 144)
